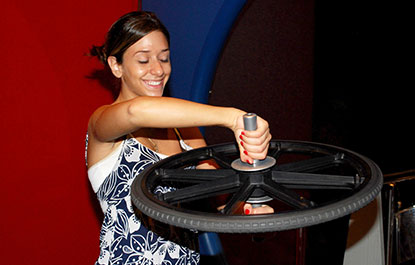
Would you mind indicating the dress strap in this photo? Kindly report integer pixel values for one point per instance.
(178, 135)
(183, 145)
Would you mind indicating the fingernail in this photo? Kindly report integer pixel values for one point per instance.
(243, 133)
(245, 152)
(247, 211)
(242, 143)
(249, 162)
(240, 137)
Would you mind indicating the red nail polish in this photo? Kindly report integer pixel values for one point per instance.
(247, 211)
(240, 137)
(245, 152)
(242, 143)
(243, 133)
(249, 162)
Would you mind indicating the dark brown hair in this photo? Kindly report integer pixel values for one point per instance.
(126, 31)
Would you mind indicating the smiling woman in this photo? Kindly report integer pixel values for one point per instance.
(139, 129)
(145, 68)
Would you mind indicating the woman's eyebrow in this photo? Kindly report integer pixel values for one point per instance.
(148, 51)
(142, 51)
(165, 50)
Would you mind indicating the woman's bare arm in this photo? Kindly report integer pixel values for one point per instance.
(113, 121)
(110, 122)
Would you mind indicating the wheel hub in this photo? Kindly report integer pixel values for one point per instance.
(257, 165)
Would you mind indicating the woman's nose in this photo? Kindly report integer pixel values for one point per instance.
(156, 68)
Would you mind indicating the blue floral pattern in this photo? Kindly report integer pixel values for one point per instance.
(123, 239)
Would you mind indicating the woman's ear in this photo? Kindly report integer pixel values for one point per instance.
(115, 66)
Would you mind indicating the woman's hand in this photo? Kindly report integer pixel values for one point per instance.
(263, 209)
(252, 144)
(249, 209)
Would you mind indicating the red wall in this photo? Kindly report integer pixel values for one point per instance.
(48, 213)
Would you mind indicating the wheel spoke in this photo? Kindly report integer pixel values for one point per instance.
(311, 165)
(283, 194)
(193, 175)
(202, 190)
(239, 198)
(275, 152)
(220, 160)
(314, 181)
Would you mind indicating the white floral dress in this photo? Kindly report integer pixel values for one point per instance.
(123, 238)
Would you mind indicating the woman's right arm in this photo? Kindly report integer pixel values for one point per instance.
(113, 121)
(110, 122)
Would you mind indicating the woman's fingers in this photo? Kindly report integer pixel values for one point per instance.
(249, 209)
(257, 150)
(253, 144)
(263, 209)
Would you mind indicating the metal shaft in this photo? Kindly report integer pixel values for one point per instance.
(250, 124)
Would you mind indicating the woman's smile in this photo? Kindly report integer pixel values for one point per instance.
(146, 67)
(154, 84)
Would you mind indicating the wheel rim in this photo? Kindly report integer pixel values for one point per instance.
(311, 183)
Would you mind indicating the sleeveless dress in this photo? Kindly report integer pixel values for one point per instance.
(123, 237)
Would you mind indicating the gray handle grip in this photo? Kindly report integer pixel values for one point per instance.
(250, 122)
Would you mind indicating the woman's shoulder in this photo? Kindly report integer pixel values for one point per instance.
(95, 116)
(98, 149)
(97, 112)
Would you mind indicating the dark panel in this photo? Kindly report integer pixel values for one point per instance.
(266, 67)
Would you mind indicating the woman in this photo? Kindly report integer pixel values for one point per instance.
(137, 130)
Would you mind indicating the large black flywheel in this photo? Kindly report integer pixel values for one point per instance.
(307, 183)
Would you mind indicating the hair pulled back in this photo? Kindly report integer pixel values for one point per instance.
(126, 31)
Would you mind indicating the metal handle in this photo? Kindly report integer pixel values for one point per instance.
(250, 122)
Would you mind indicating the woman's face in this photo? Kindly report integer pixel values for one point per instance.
(146, 66)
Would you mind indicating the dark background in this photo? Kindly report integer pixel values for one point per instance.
(327, 71)
(363, 93)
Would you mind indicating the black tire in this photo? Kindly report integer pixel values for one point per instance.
(314, 170)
